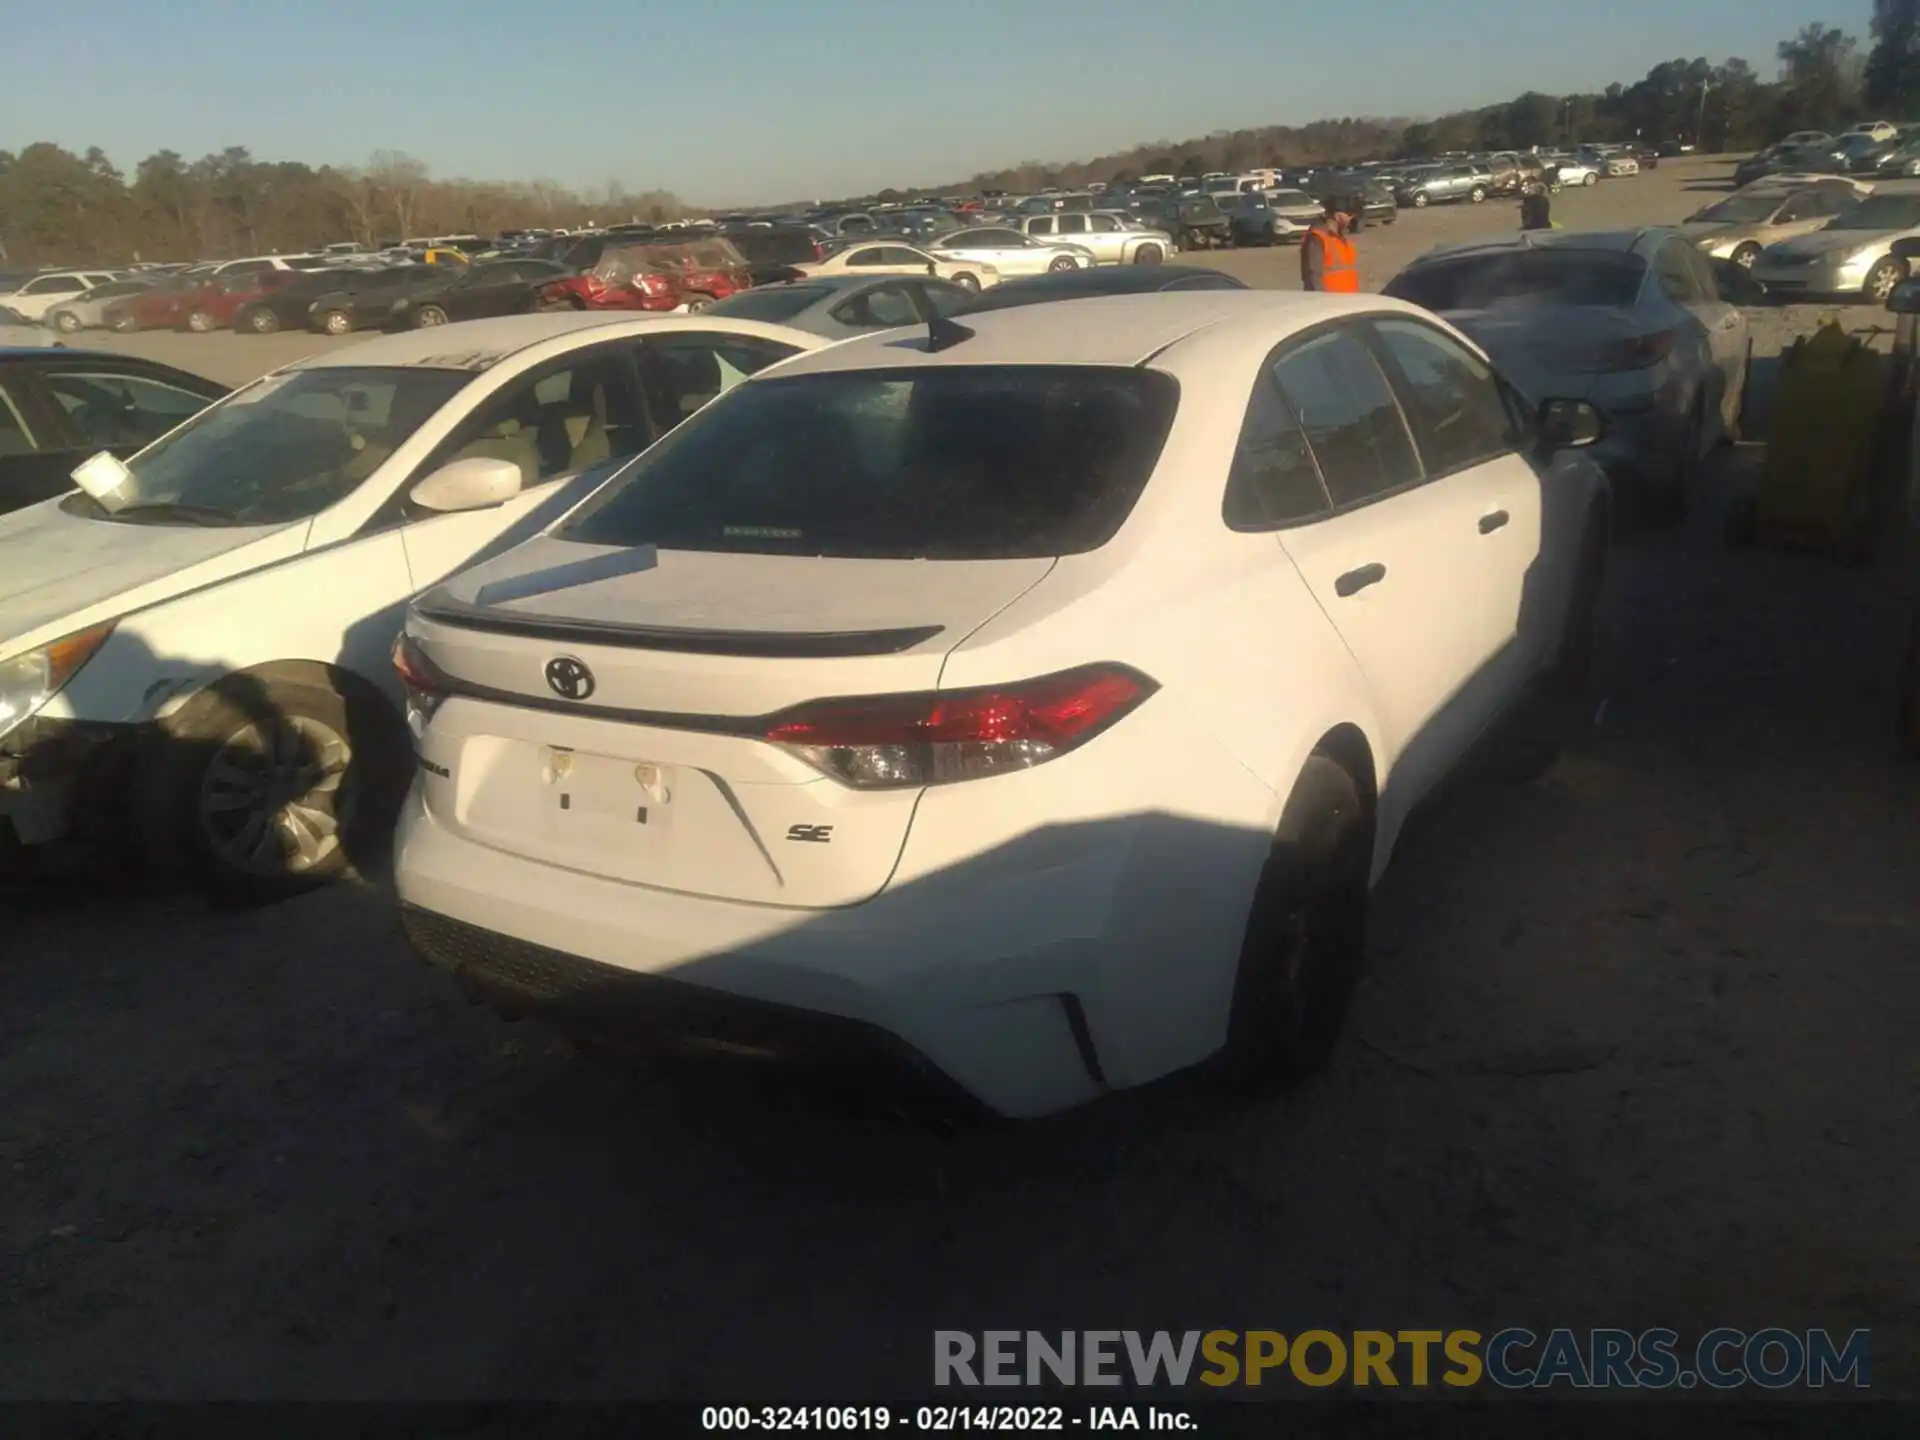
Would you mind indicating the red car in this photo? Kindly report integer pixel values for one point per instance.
(156, 309)
(214, 304)
(657, 275)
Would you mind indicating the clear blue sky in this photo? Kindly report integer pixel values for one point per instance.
(740, 101)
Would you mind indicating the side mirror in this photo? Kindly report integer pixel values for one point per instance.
(477, 483)
(1905, 299)
(1569, 425)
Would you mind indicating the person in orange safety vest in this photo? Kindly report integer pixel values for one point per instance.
(1328, 259)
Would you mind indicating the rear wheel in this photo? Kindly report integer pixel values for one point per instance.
(337, 322)
(262, 322)
(698, 302)
(1883, 279)
(1305, 937)
(200, 322)
(1420, 200)
(1148, 255)
(124, 324)
(429, 315)
(1591, 179)
(1477, 194)
(1747, 256)
(967, 280)
(1061, 264)
(66, 322)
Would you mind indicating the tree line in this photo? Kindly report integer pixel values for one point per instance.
(1823, 81)
(57, 207)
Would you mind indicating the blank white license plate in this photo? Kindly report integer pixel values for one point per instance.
(607, 795)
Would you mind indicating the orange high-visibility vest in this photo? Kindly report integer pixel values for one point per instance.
(1339, 261)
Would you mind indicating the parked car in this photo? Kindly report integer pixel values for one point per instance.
(1648, 156)
(1900, 160)
(1634, 321)
(88, 309)
(1808, 156)
(1440, 184)
(1612, 163)
(699, 269)
(1104, 280)
(1873, 130)
(1125, 751)
(1195, 222)
(214, 304)
(1565, 171)
(1009, 252)
(196, 644)
(476, 292)
(772, 250)
(350, 300)
(891, 257)
(60, 405)
(1276, 217)
(1852, 254)
(158, 306)
(41, 293)
(1114, 237)
(1739, 227)
(1377, 202)
(852, 303)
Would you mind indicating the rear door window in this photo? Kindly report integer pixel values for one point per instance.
(1351, 418)
(688, 370)
(1274, 480)
(943, 463)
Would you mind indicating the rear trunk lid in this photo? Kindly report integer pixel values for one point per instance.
(609, 702)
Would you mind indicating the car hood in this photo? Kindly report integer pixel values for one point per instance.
(1829, 242)
(60, 572)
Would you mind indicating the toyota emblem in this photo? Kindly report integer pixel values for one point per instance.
(569, 678)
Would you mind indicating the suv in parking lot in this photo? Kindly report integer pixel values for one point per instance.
(1114, 239)
(1196, 222)
(1439, 184)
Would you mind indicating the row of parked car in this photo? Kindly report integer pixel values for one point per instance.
(879, 707)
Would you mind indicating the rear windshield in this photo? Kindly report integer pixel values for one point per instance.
(942, 463)
(1559, 276)
(1881, 212)
(1744, 209)
(772, 303)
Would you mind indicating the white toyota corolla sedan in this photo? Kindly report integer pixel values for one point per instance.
(1036, 699)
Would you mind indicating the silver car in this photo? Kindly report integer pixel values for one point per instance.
(1634, 322)
(1437, 184)
(1111, 237)
(88, 310)
(842, 306)
(1852, 255)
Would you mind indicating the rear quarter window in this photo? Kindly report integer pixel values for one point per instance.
(942, 463)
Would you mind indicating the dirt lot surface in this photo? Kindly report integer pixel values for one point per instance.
(1636, 1048)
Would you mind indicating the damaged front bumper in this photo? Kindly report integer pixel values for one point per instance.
(64, 779)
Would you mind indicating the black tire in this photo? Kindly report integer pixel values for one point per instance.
(1421, 200)
(1579, 635)
(336, 322)
(427, 316)
(697, 302)
(1149, 255)
(258, 322)
(220, 804)
(968, 281)
(1591, 178)
(1305, 937)
(1746, 256)
(1882, 280)
(66, 322)
(1909, 708)
(199, 322)
(1061, 264)
(1477, 194)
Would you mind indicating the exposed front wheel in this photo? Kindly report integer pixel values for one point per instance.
(966, 280)
(1061, 265)
(1148, 255)
(66, 322)
(262, 322)
(337, 322)
(1883, 279)
(696, 303)
(1420, 202)
(1477, 194)
(1591, 180)
(1305, 936)
(1747, 256)
(200, 322)
(429, 315)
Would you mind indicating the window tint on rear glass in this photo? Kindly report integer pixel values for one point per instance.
(1557, 275)
(1350, 416)
(772, 303)
(945, 463)
(1451, 399)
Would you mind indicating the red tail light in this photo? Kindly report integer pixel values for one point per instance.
(1636, 354)
(819, 252)
(427, 684)
(886, 742)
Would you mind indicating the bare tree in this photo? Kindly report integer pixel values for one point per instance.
(398, 179)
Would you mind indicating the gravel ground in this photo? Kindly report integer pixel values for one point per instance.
(1634, 1049)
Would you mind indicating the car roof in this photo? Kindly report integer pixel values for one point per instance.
(478, 344)
(1094, 330)
(1100, 280)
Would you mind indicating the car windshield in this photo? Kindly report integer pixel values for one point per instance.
(1743, 210)
(771, 303)
(1881, 212)
(1550, 276)
(1858, 144)
(940, 463)
(285, 448)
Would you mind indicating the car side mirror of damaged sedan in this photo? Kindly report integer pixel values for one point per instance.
(1569, 425)
(476, 483)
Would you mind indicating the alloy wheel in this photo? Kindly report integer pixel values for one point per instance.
(274, 799)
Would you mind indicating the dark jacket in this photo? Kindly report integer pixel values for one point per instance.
(1536, 211)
